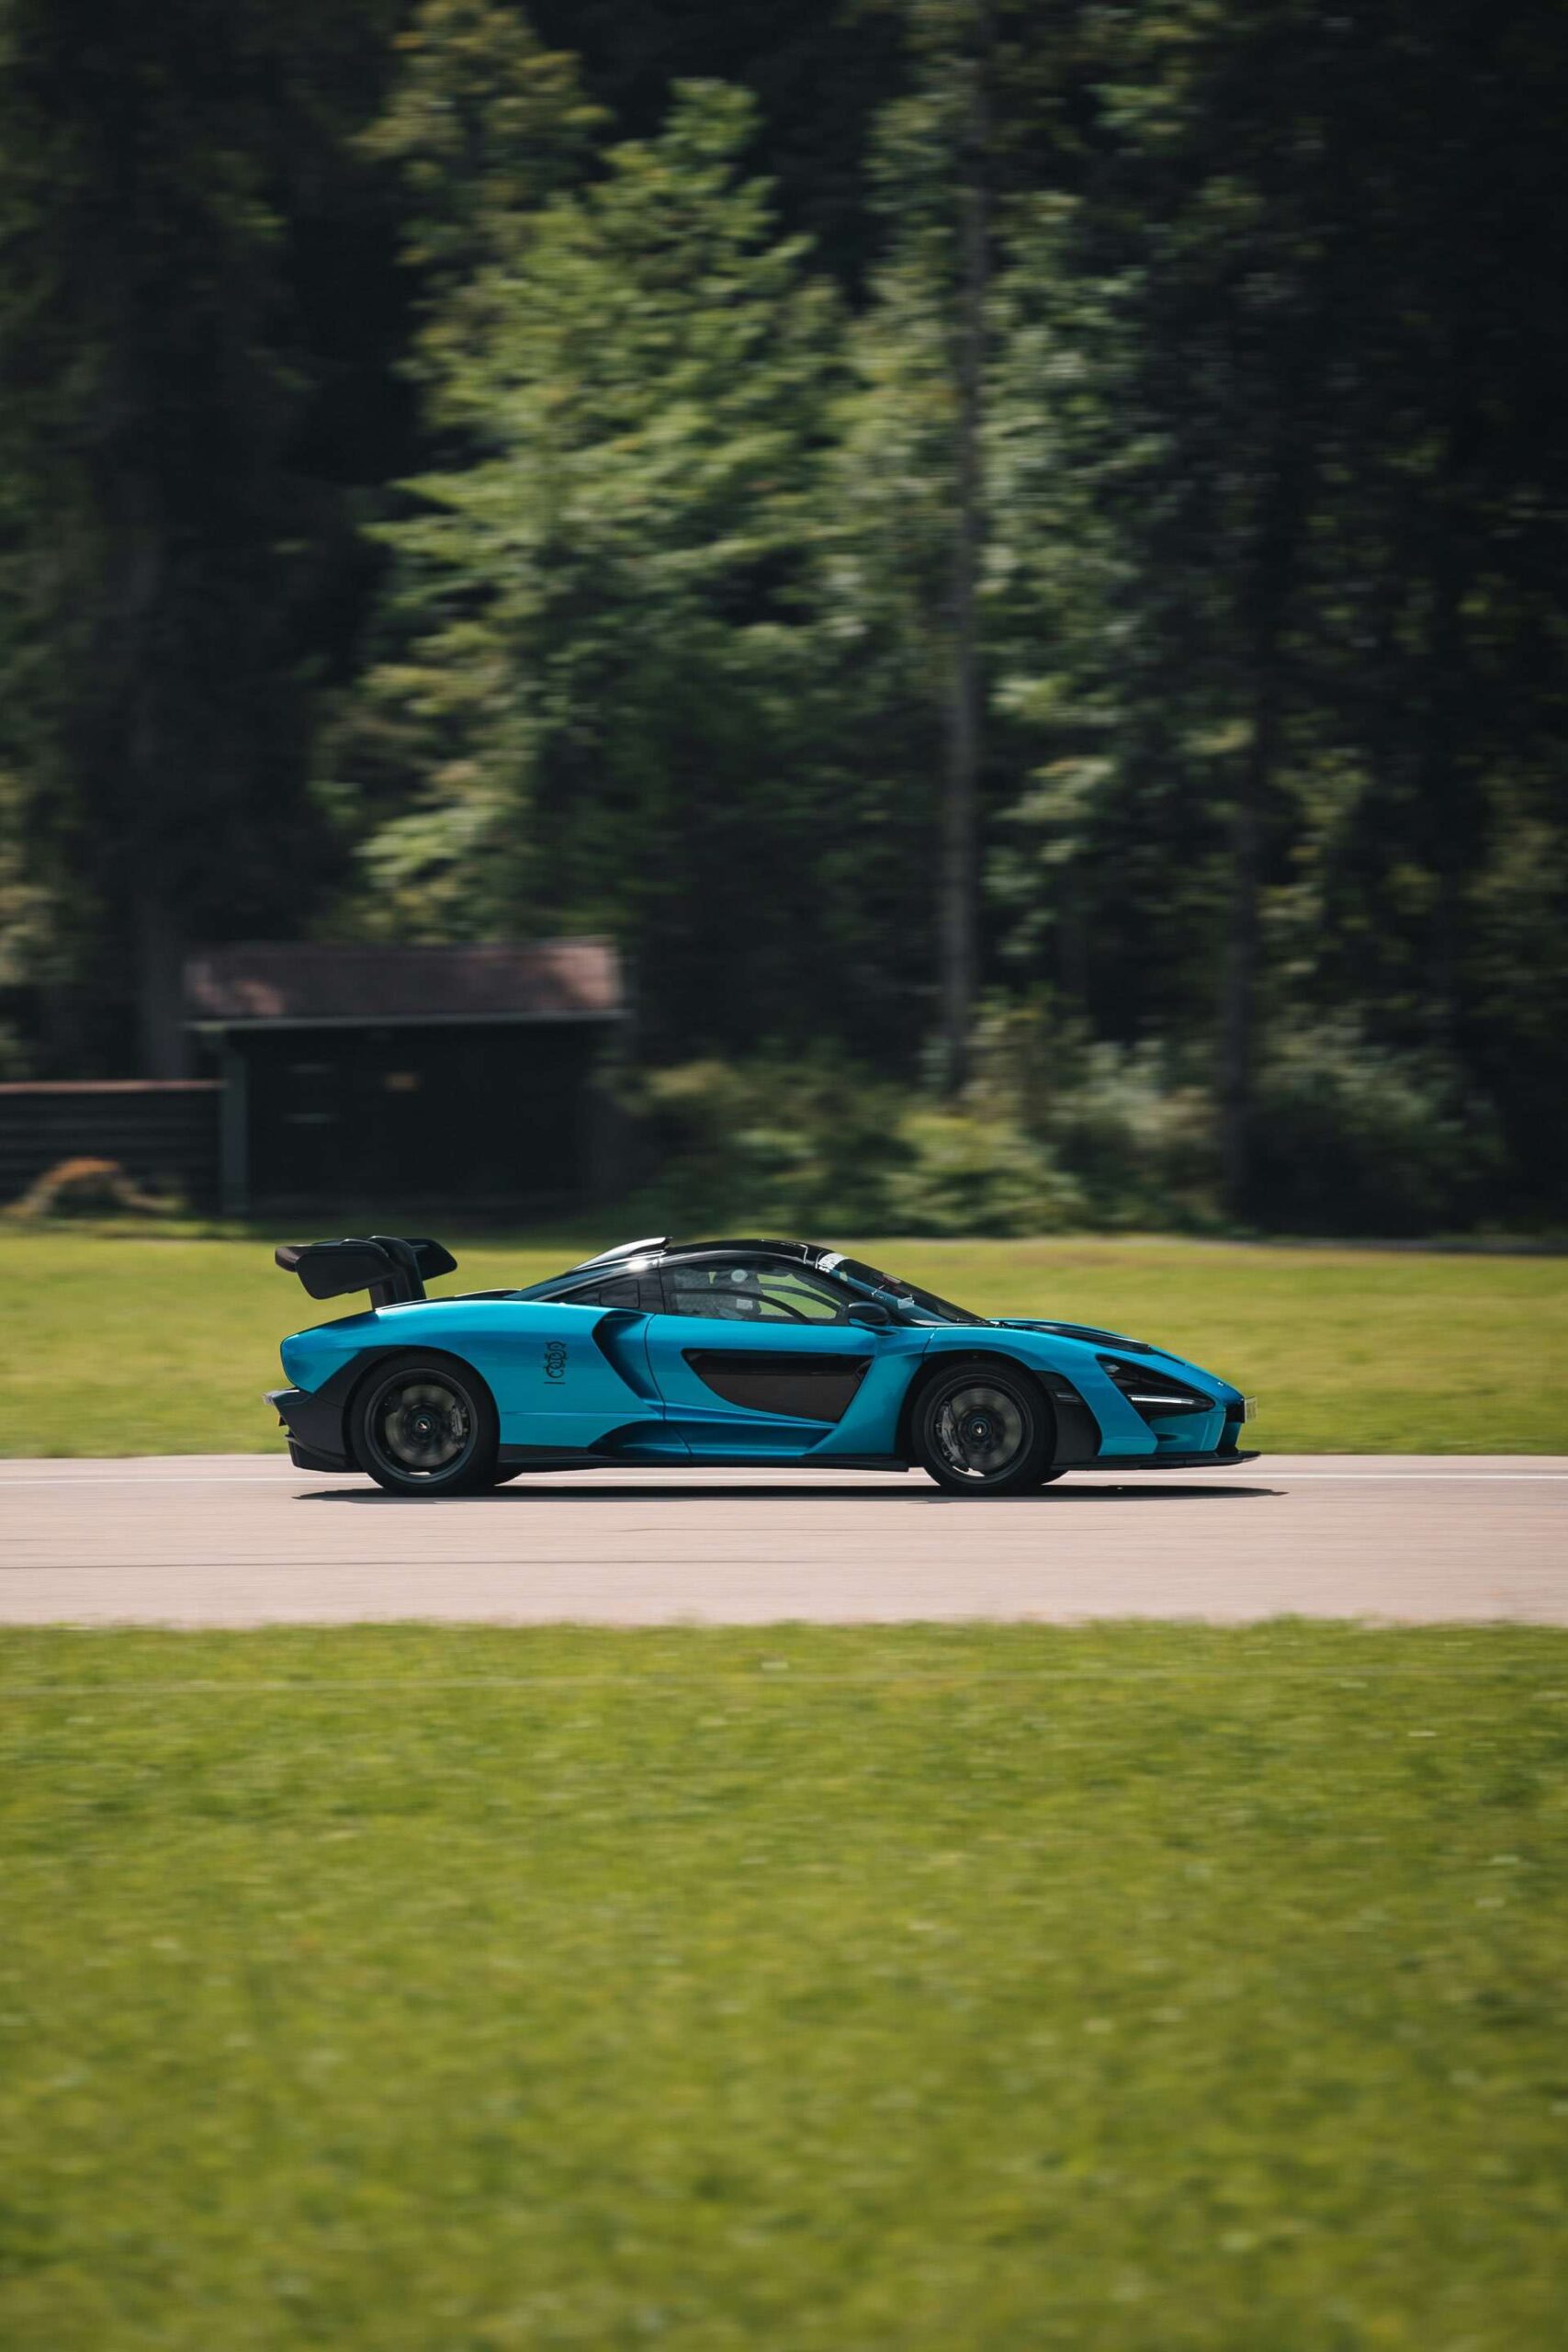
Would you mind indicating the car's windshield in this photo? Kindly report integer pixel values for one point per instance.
(924, 1304)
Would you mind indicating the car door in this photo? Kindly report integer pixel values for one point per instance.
(754, 1357)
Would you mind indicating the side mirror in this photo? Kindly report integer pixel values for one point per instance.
(872, 1311)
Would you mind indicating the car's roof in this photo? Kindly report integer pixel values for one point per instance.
(769, 1248)
(659, 1250)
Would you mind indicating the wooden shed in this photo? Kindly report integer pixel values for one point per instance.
(358, 1076)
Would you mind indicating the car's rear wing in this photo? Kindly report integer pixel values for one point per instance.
(391, 1269)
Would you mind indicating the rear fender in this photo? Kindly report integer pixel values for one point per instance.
(553, 1383)
(320, 1419)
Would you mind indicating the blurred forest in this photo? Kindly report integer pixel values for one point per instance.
(1011, 555)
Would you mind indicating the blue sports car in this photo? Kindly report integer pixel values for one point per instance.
(735, 1352)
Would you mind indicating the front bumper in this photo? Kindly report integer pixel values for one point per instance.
(314, 1421)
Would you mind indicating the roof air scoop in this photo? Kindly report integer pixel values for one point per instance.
(624, 1249)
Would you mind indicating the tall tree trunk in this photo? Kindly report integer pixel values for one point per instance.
(1448, 822)
(1452, 825)
(1238, 1008)
(957, 924)
(1238, 998)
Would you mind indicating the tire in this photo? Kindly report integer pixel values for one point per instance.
(425, 1425)
(983, 1429)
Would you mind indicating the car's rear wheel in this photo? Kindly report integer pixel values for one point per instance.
(427, 1427)
(981, 1429)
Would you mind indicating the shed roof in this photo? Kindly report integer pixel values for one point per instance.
(269, 981)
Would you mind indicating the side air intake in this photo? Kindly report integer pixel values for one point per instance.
(393, 1271)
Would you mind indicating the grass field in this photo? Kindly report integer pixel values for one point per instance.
(127, 1344)
(1134, 1988)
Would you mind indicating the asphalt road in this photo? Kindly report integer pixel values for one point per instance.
(246, 1540)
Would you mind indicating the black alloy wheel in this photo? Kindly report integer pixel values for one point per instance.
(980, 1430)
(426, 1428)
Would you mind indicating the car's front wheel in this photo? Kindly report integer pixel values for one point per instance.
(979, 1430)
(427, 1427)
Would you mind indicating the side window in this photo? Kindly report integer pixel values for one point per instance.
(753, 1290)
(619, 1290)
(795, 1294)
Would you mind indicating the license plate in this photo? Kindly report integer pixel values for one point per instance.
(1249, 1408)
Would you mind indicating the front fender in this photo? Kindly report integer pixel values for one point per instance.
(1104, 1427)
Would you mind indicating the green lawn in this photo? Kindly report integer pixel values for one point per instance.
(1138, 1988)
(127, 1344)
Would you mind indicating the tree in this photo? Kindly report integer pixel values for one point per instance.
(602, 687)
(151, 386)
(936, 162)
(981, 124)
(1112, 584)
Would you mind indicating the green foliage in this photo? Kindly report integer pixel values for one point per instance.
(484, 122)
(1141, 1144)
(1362, 1141)
(805, 1146)
(1135, 1134)
(1152, 1987)
(970, 1175)
(784, 1146)
(1059, 1130)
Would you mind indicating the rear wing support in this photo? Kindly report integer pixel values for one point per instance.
(392, 1270)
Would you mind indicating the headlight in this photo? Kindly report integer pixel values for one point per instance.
(1154, 1391)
